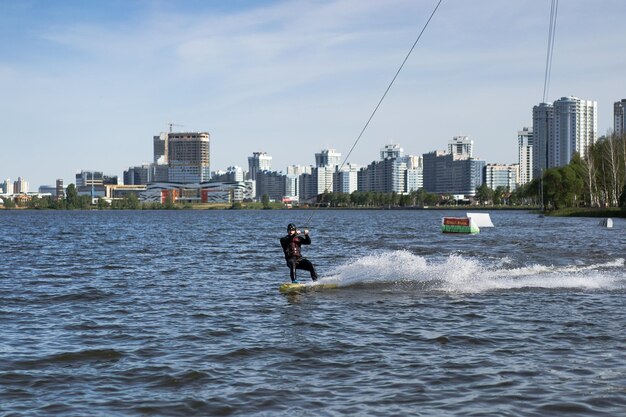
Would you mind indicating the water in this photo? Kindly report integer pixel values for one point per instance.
(178, 313)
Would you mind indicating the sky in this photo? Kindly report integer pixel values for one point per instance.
(85, 85)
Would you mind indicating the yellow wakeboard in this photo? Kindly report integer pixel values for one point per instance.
(288, 287)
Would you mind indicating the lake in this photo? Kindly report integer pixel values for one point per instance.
(178, 313)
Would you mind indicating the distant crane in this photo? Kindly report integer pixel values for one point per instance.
(174, 124)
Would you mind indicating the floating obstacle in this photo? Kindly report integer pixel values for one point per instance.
(459, 225)
(608, 223)
(481, 219)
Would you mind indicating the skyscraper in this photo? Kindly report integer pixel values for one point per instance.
(189, 157)
(259, 161)
(619, 117)
(327, 158)
(543, 128)
(461, 147)
(525, 154)
(575, 129)
(560, 130)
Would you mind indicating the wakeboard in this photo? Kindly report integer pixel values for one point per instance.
(288, 287)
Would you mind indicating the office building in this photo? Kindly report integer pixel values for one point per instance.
(138, 175)
(525, 155)
(619, 117)
(48, 189)
(271, 183)
(188, 155)
(88, 178)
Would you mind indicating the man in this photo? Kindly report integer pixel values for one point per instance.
(293, 254)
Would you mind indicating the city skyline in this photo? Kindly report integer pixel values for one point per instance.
(87, 87)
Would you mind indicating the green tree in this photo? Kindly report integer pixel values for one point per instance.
(102, 204)
(265, 200)
(484, 194)
(71, 197)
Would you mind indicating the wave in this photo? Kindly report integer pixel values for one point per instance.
(458, 273)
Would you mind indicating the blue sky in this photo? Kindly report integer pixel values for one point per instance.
(86, 84)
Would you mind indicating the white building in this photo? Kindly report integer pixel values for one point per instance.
(575, 130)
(259, 161)
(391, 151)
(346, 179)
(327, 158)
(461, 147)
(560, 130)
(497, 175)
(525, 155)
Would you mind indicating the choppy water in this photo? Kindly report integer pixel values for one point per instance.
(178, 313)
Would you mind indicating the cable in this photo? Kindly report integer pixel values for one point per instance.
(387, 90)
(390, 84)
(551, 35)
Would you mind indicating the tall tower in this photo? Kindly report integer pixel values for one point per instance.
(189, 157)
(259, 161)
(543, 129)
(160, 149)
(327, 158)
(525, 154)
(461, 147)
(575, 129)
(391, 152)
(619, 117)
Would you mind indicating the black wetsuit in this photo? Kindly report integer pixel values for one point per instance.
(293, 255)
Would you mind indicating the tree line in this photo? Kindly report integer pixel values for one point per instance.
(73, 201)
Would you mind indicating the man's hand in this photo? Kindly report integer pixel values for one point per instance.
(306, 231)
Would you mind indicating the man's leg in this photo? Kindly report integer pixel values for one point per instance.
(292, 263)
(307, 266)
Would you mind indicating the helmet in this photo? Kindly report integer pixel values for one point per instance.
(291, 227)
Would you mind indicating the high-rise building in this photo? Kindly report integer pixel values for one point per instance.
(525, 155)
(20, 186)
(461, 147)
(259, 161)
(543, 129)
(497, 175)
(327, 158)
(575, 129)
(139, 175)
(567, 127)
(188, 157)
(391, 151)
(160, 149)
(271, 183)
(443, 174)
(89, 178)
(60, 190)
(346, 179)
(8, 187)
(619, 117)
(386, 176)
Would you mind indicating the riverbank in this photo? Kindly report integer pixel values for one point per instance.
(588, 212)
